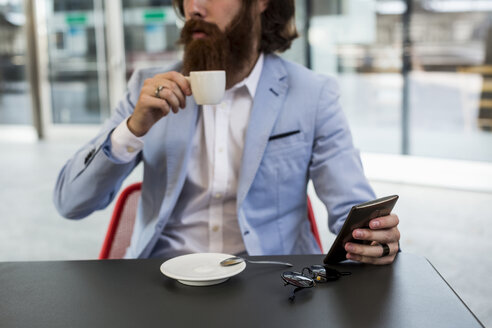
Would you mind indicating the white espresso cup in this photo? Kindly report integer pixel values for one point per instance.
(208, 87)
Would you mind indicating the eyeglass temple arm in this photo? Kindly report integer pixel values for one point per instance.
(293, 295)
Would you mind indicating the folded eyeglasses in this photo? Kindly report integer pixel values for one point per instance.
(309, 276)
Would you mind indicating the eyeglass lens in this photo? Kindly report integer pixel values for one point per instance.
(297, 279)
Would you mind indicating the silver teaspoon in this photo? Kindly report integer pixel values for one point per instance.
(236, 260)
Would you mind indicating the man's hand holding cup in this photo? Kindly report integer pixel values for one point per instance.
(168, 91)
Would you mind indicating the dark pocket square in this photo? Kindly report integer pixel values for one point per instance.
(89, 156)
(283, 135)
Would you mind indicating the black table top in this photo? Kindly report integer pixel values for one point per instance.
(134, 293)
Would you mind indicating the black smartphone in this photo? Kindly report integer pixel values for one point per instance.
(359, 217)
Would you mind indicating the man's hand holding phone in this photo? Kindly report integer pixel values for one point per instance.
(382, 231)
(369, 234)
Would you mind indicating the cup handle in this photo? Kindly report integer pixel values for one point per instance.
(189, 81)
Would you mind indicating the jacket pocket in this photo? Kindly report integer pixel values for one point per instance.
(285, 142)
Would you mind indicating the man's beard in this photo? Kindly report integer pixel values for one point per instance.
(230, 50)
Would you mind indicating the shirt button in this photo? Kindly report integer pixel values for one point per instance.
(130, 149)
(221, 150)
(218, 195)
(215, 228)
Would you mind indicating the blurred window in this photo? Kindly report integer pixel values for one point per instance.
(77, 61)
(439, 106)
(451, 80)
(433, 99)
(150, 31)
(15, 102)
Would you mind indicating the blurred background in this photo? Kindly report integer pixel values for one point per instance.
(416, 84)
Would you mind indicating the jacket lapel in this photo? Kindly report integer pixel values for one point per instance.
(269, 98)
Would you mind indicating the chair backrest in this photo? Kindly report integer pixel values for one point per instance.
(120, 227)
(314, 226)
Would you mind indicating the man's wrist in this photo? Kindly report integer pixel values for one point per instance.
(132, 129)
(125, 145)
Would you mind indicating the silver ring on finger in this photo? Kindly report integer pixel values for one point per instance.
(158, 90)
(386, 250)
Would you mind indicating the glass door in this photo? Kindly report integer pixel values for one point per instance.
(359, 41)
(150, 33)
(77, 68)
(15, 103)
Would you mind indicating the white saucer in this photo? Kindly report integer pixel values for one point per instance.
(200, 269)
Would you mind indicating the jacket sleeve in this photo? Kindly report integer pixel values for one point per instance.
(336, 169)
(91, 178)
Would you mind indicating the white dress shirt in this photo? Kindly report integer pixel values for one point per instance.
(205, 218)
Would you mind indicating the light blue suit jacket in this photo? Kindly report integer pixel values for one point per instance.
(271, 196)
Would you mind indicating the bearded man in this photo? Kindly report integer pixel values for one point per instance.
(231, 177)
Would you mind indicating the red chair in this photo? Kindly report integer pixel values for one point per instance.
(120, 227)
(314, 226)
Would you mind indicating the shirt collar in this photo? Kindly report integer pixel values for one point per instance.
(252, 80)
